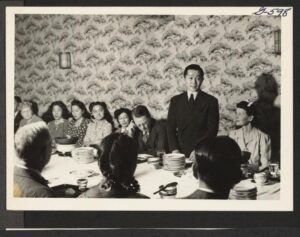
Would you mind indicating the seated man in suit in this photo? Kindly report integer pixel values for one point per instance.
(193, 115)
(18, 116)
(151, 134)
(33, 152)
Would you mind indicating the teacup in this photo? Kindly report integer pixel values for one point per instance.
(261, 178)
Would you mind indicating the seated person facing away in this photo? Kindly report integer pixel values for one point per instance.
(117, 162)
(27, 112)
(124, 119)
(251, 139)
(100, 126)
(78, 124)
(151, 134)
(33, 152)
(17, 109)
(57, 115)
(217, 167)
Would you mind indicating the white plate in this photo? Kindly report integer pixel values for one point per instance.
(144, 156)
(84, 173)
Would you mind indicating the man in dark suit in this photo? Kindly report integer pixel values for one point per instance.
(33, 152)
(193, 115)
(18, 116)
(151, 134)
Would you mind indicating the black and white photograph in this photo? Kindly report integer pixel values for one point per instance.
(149, 108)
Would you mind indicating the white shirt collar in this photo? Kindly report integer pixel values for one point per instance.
(194, 93)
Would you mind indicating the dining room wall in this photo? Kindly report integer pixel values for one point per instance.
(125, 60)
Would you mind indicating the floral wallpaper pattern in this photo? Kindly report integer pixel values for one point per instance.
(126, 60)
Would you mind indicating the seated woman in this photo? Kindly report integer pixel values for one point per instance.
(117, 162)
(28, 114)
(100, 126)
(58, 115)
(124, 119)
(251, 139)
(78, 124)
(217, 167)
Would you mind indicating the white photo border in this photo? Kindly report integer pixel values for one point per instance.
(286, 193)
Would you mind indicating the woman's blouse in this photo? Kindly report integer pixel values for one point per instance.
(33, 119)
(58, 130)
(258, 144)
(79, 131)
(96, 131)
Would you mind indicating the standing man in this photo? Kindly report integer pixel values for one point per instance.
(152, 134)
(193, 115)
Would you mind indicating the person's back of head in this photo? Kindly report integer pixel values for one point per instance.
(118, 160)
(33, 145)
(217, 163)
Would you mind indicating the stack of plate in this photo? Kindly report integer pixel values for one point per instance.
(174, 162)
(244, 190)
(83, 155)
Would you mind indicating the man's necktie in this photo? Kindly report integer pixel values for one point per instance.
(192, 101)
(145, 137)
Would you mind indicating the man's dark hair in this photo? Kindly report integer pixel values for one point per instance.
(30, 140)
(193, 67)
(140, 111)
(217, 163)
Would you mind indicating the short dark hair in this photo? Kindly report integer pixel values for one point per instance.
(120, 111)
(246, 106)
(29, 141)
(217, 163)
(118, 160)
(140, 111)
(48, 115)
(18, 99)
(81, 105)
(193, 67)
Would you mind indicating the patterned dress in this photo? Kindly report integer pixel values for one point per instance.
(79, 131)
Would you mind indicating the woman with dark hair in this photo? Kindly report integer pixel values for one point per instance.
(124, 119)
(58, 115)
(101, 124)
(217, 167)
(251, 139)
(117, 162)
(77, 126)
(27, 112)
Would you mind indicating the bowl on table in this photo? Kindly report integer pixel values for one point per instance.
(174, 162)
(65, 145)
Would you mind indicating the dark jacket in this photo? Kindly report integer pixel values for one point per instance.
(28, 183)
(188, 126)
(157, 140)
(99, 192)
(199, 194)
(17, 120)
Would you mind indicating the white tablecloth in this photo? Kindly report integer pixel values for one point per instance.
(58, 172)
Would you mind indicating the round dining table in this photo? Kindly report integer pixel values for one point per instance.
(66, 170)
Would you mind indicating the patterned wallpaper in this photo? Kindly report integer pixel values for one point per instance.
(127, 60)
